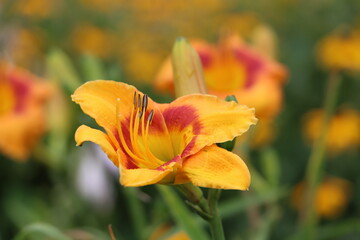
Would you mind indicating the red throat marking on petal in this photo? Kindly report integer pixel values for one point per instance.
(178, 118)
(132, 133)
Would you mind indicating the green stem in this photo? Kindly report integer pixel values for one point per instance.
(137, 212)
(314, 169)
(216, 228)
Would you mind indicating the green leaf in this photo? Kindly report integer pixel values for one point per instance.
(181, 214)
(339, 229)
(235, 205)
(137, 213)
(35, 230)
(271, 166)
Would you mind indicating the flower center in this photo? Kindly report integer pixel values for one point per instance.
(227, 71)
(136, 143)
(7, 102)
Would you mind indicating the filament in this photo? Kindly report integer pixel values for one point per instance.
(140, 151)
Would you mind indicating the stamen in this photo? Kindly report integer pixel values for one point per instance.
(151, 116)
(124, 144)
(144, 103)
(140, 152)
(139, 101)
(135, 98)
(145, 132)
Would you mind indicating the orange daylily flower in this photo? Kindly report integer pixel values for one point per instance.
(332, 197)
(163, 230)
(36, 8)
(343, 133)
(349, 56)
(22, 120)
(165, 143)
(232, 68)
(89, 39)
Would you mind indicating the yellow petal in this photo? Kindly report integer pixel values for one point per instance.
(214, 167)
(99, 99)
(85, 133)
(202, 120)
(142, 176)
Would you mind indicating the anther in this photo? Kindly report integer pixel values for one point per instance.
(139, 101)
(144, 102)
(151, 116)
(140, 114)
(135, 99)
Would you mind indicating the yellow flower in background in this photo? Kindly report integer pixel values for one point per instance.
(264, 133)
(179, 236)
(24, 47)
(340, 50)
(89, 39)
(162, 10)
(102, 5)
(331, 199)
(343, 133)
(22, 120)
(242, 23)
(36, 8)
(143, 50)
(165, 143)
(233, 68)
(163, 230)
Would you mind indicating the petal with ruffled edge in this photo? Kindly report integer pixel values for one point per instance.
(85, 133)
(214, 167)
(101, 100)
(195, 121)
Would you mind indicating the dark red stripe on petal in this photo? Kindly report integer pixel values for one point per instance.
(252, 63)
(177, 159)
(205, 58)
(129, 161)
(187, 151)
(180, 117)
(21, 87)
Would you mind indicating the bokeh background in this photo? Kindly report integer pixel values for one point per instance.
(55, 188)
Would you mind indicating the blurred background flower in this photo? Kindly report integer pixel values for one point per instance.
(340, 50)
(286, 48)
(331, 199)
(249, 73)
(344, 130)
(22, 115)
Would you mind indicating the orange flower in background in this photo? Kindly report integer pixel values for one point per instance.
(22, 120)
(343, 133)
(331, 199)
(88, 39)
(233, 68)
(164, 230)
(163, 10)
(36, 8)
(340, 50)
(102, 5)
(24, 46)
(165, 143)
(143, 49)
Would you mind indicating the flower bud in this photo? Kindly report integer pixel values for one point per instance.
(187, 69)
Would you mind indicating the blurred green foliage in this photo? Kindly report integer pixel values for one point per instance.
(41, 195)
